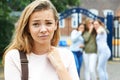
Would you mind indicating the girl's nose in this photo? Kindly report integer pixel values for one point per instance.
(43, 28)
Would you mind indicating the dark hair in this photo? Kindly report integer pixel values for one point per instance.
(80, 25)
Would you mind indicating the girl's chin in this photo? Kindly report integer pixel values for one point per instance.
(44, 42)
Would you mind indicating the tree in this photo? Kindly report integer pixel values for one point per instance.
(7, 22)
(18, 5)
(6, 26)
(62, 5)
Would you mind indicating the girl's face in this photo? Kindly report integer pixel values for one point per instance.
(96, 24)
(42, 25)
(89, 24)
(81, 28)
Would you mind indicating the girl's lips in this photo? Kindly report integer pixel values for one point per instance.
(43, 36)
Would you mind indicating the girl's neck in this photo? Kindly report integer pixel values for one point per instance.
(43, 49)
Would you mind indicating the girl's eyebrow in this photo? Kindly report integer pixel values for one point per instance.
(35, 20)
(39, 20)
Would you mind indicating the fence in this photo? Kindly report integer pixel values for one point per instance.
(116, 38)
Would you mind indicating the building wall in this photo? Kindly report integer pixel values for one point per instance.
(67, 29)
(100, 5)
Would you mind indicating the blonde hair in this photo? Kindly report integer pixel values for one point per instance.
(22, 40)
(102, 25)
(88, 21)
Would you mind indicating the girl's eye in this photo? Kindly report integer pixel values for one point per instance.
(36, 24)
(48, 23)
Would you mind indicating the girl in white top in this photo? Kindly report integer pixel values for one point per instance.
(78, 45)
(103, 49)
(37, 34)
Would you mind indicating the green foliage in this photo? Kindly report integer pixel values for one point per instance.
(6, 25)
(6, 29)
(74, 2)
(7, 22)
(18, 5)
(62, 5)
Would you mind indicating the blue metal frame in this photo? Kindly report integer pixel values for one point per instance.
(109, 24)
(80, 10)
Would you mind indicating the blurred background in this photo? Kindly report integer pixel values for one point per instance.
(71, 13)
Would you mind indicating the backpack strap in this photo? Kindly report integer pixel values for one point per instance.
(24, 65)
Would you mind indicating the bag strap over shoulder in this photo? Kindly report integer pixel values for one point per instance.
(24, 65)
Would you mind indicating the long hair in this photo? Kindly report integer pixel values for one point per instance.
(87, 22)
(22, 39)
(102, 24)
(80, 25)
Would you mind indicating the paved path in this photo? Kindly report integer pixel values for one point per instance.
(113, 71)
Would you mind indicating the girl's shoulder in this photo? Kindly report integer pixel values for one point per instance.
(13, 56)
(14, 53)
(74, 31)
(64, 51)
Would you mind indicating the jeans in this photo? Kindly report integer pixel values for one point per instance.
(78, 60)
(90, 60)
(102, 63)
